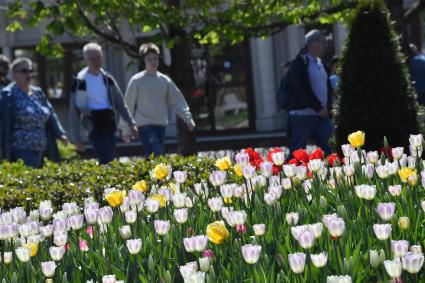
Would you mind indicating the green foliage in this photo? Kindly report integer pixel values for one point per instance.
(76, 180)
(208, 20)
(375, 94)
(67, 152)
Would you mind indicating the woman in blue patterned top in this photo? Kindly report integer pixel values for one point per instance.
(28, 121)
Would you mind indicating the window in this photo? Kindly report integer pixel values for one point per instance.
(221, 94)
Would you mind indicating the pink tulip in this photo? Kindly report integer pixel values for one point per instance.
(83, 246)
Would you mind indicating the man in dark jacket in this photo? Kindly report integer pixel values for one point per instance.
(310, 95)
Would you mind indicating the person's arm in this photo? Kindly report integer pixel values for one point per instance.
(57, 126)
(128, 106)
(122, 108)
(175, 99)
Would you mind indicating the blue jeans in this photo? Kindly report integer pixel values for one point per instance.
(30, 157)
(307, 127)
(104, 147)
(152, 138)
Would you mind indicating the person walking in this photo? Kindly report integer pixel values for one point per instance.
(310, 95)
(96, 103)
(29, 124)
(149, 96)
(417, 72)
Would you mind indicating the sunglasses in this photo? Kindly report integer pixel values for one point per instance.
(25, 71)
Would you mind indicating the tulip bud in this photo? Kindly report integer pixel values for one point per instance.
(393, 268)
(332, 183)
(181, 215)
(342, 211)
(399, 248)
(382, 256)
(125, 232)
(48, 268)
(179, 200)
(208, 253)
(130, 216)
(297, 262)
(56, 253)
(204, 264)
(412, 262)
(109, 279)
(23, 254)
(412, 180)
(251, 253)
(241, 228)
(161, 227)
(374, 258)
(319, 260)
(151, 263)
(8, 256)
(404, 223)
(189, 202)
(323, 202)
(348, 264)
(416, 249)
(286, 183)
(292, 218)
(259, 229)
(382, 231)
(134, 246)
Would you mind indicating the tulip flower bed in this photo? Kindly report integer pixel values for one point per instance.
(252, 218)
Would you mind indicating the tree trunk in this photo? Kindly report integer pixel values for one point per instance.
(183, 76)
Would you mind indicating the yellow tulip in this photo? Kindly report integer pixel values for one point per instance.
(217, 232)
(404, 223)
(407, 173)
(173, 187)
(238, 170)
(141, 186)
(413, 180)
(356, 139)
(228, 200)
(223, 163)
(32, 247)
(115, 198)
(160, 198)
(160, 171)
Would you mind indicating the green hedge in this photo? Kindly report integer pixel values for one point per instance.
(76, 180)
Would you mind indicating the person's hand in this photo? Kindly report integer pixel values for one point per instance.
(80, 147)
(134, 132)
(126, 138)
(191, 125)
(324, 113)
(64, 140)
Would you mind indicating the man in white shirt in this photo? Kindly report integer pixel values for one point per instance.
(96, 104)
(149, 96)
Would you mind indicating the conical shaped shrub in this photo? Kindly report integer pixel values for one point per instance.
(375, 93)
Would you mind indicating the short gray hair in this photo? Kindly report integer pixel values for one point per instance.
(18, 62)
(91, 46)
(313, 36)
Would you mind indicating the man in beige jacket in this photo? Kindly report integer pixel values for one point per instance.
(149, 95)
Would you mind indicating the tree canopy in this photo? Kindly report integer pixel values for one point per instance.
(207, 21)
